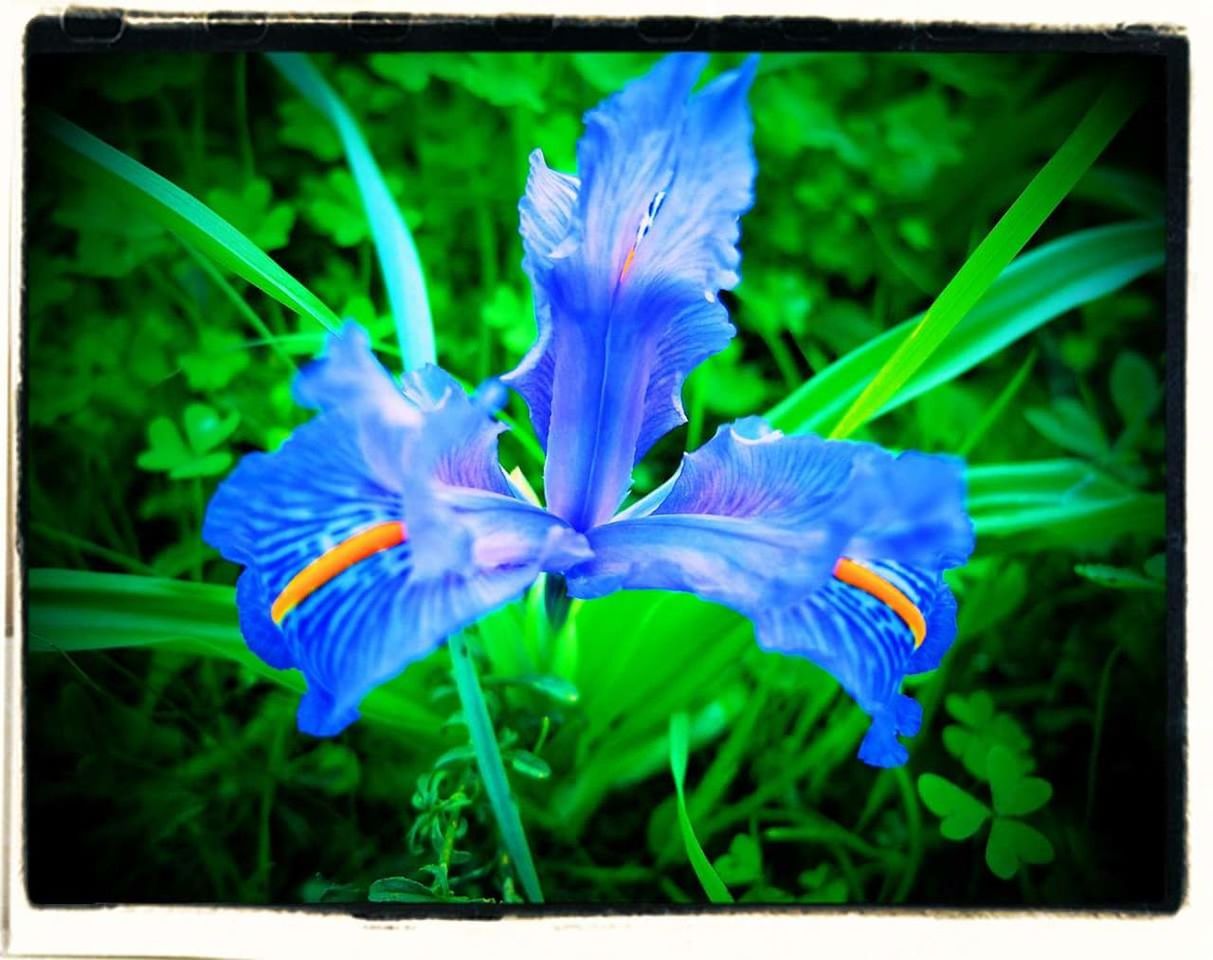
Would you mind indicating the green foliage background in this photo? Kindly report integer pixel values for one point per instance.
(164, 764)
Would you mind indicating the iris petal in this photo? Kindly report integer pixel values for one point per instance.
(423, 454)
(867, 647)
(626, 263)
(757, 521)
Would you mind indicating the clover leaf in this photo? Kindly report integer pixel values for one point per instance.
(823, 885)
(1070, 426)
(1015, 794)
(981, 727)
(302, 126)
(742, 864)
(332, 205)
(961, 814)
(195, 455)
(1012, 843)
(219, 357)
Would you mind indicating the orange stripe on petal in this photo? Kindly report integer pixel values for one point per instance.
(870, 582)
(627, 264)
(329, 564)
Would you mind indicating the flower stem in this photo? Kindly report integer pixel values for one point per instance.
(492, 769)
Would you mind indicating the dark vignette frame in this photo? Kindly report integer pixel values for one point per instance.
(114, 32)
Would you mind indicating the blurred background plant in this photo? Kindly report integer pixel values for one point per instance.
(164, 764)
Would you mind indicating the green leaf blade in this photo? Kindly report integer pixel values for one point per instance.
(398, 257)
(184, 215)
(995, 253)
(1037, 288)
(712, 885)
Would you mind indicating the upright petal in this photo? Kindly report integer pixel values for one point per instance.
(626, 263)
(376, 530)
(834, 549)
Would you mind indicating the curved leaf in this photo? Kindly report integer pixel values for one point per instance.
(77, 610)
(995, 253)
(398, 259)
(713, 886)
(1038, 287)
(186, 216)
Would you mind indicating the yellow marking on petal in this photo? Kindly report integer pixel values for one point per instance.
(872, 583)
(337, 560)
(627, 264)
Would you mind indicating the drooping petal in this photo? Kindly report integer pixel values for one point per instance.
(626, 263)
(760, 522)
(868, 647)
(376, 530)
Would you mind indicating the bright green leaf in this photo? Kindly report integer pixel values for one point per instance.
(1000, 246)
(961, 814)
(530, 765)
(1012, 843)
(1039, 286)
(205, 429)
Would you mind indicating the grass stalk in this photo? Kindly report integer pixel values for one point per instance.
(491, 766)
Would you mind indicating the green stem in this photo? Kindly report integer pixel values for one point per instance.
(492, 769)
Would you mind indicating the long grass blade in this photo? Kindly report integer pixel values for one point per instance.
(73, 611)
(492, 769)
(995, 253)
(398, 259)
(712, 885)
(185, 215)
(1059, 502)
(1038, 287)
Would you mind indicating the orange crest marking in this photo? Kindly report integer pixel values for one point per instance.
(872, 583)
(627, 264)
(332, 562)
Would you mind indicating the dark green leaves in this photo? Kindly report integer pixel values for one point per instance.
(1015, 793)
(996, 251)
(742, 864)
(980, 728)
(1135, 388)
(994, 750)
(184, 215)
(1038, 287)
(1012, 843)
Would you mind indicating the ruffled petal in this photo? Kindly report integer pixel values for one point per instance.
(868, 647)
(760, 522)
(626, 264)
(751, 520)
(399, 490)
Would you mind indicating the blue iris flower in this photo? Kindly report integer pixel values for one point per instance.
(386, 523)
